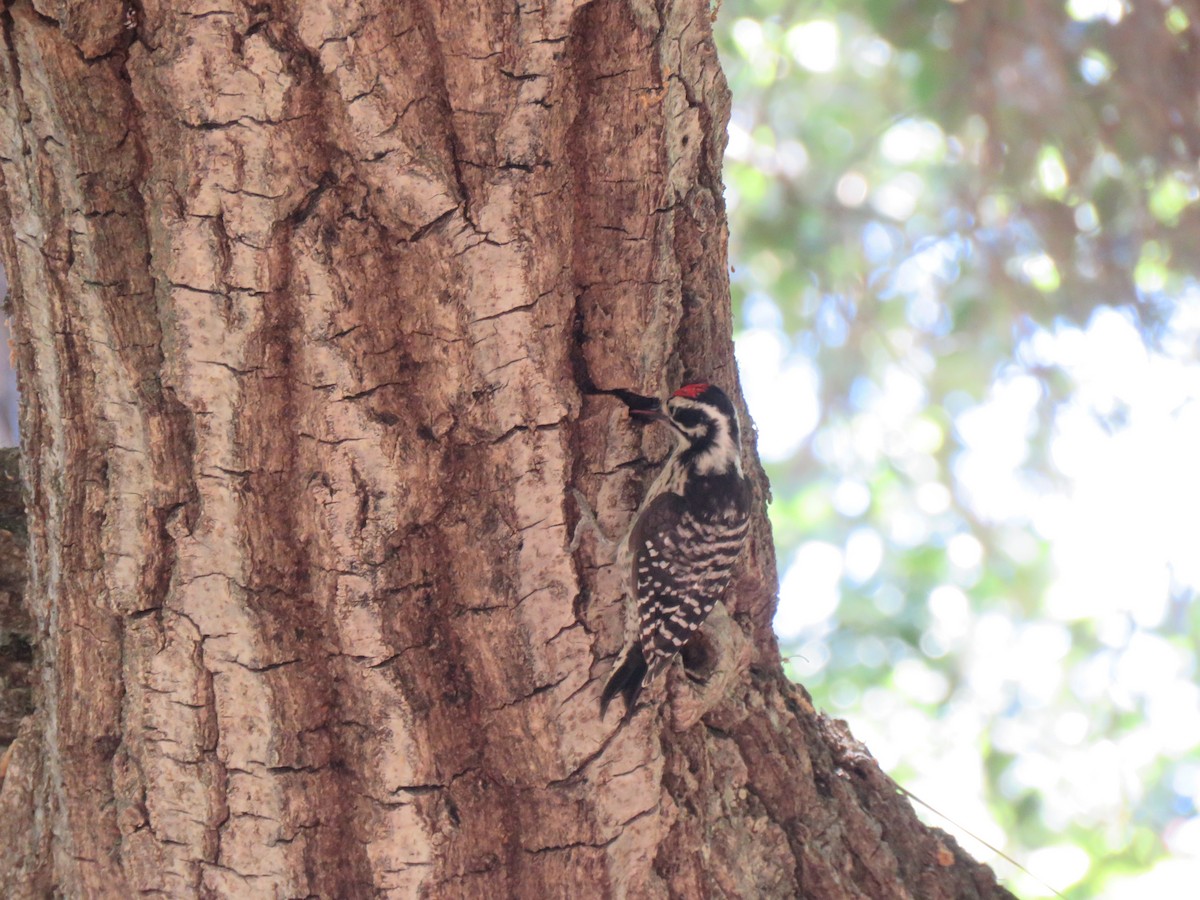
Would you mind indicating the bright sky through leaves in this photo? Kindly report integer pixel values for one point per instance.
(968, 329)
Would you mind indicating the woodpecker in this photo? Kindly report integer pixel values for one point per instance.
(686, 535)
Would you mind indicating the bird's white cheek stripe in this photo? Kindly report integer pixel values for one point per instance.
(722, 456)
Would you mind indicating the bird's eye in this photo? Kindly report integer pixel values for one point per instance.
(688, 418)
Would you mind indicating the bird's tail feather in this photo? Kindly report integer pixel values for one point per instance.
(627, 680)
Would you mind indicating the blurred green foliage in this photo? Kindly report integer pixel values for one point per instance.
(946, 217)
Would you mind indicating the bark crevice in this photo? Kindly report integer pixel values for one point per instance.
(320, 312)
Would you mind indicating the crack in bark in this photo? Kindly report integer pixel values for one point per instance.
(392, 570)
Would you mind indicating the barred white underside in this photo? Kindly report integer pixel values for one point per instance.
(680, 574)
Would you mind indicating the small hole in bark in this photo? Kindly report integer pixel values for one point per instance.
(699, 657)
(16, 649)
(822, 782)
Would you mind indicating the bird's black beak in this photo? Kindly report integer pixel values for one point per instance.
(648, 415)
(641, 407)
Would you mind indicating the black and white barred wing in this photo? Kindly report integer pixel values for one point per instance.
(682, 562)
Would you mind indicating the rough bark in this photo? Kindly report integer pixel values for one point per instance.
(16, 626)
(315, 307)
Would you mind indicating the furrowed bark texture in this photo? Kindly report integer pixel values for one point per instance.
(316, 304)
(16, 626)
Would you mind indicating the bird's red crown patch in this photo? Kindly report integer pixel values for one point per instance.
(692, 391)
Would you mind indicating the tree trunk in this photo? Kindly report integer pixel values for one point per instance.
(315, 307)
(16, 627)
